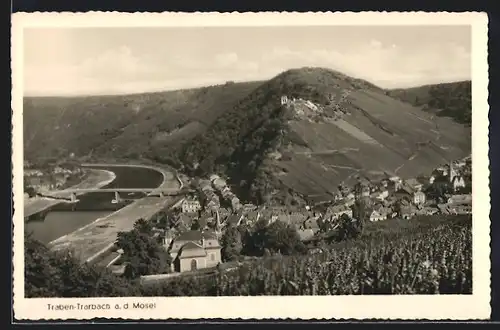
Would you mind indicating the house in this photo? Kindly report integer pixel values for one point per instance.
(350, 196)
(414, 184)
(362, 188)
(395, 181)
(419, 198)
(298, 217)
(431, 180)
(465, 199)
(235, 203)
(461, 209)
(311, 223)
(248, 207)
(458, 182)
(168, 238)
(284, 100)
(377, 216)
(305, 234)
(235, 219)
(407, 212)
(213, 177)
(219, 184)
(190, 206)
(427, 211)
(336, 211)
(185, 221)
(204, 220)
(380, 195)
(252, 217)
(337, 196)
(194, 250)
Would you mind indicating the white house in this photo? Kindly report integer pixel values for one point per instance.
(190, 206)
(458, 182)
(337, 211)
(284, 100)
(377, 216)
(381, 195)
(418, 198)
(214, 177)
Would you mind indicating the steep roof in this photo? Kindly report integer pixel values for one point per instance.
(413, 182)
(190, 250)
(305, 234)
(233, 219)
(196, 235)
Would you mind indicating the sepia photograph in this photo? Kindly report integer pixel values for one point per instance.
(227, 158)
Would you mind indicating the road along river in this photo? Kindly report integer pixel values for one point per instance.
(91, 232)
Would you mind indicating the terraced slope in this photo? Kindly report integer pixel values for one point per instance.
(452, 100)
(267, 148)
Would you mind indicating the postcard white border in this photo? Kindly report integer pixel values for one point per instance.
(475, 306)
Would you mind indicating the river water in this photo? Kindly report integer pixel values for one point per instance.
(66, 218)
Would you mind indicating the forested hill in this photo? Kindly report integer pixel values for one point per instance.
(149, 125)
(311, 155)
(333, 129)
(450, 99)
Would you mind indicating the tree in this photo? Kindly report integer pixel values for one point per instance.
(285, 239)
(438, 190)
(60, 274)
(276, 237)
(143, 226)
(195, 225)
(143, 254)
(232, 244)
(349, 228)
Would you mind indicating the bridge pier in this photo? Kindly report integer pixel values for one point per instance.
(117, 197)
(161, 194)
(73, 197)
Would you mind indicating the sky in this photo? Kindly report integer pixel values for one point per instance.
(97, 61)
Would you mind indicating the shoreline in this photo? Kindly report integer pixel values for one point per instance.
(91, 236)
(105, 177)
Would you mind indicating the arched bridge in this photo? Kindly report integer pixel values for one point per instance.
(150, 191)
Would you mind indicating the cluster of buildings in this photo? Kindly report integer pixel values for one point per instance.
(193, 249)
(306, 109)
(215, 207)
(49, 179)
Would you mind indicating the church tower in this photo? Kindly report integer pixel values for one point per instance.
(218, 227)
(451, 174)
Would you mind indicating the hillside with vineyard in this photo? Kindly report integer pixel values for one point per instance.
(452, 100)
(427, 255)
(330, 129)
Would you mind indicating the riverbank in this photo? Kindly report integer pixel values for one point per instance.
(97, 237)
(96, 179)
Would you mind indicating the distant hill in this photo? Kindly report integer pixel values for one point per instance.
(333, 129)
(268, 150)
(451, 99)
(128, 126)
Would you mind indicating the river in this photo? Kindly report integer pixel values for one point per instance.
(66, 218)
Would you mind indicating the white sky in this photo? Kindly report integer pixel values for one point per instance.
(78, 61)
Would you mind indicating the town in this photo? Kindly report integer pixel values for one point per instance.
(193, 233)
(53, 176)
